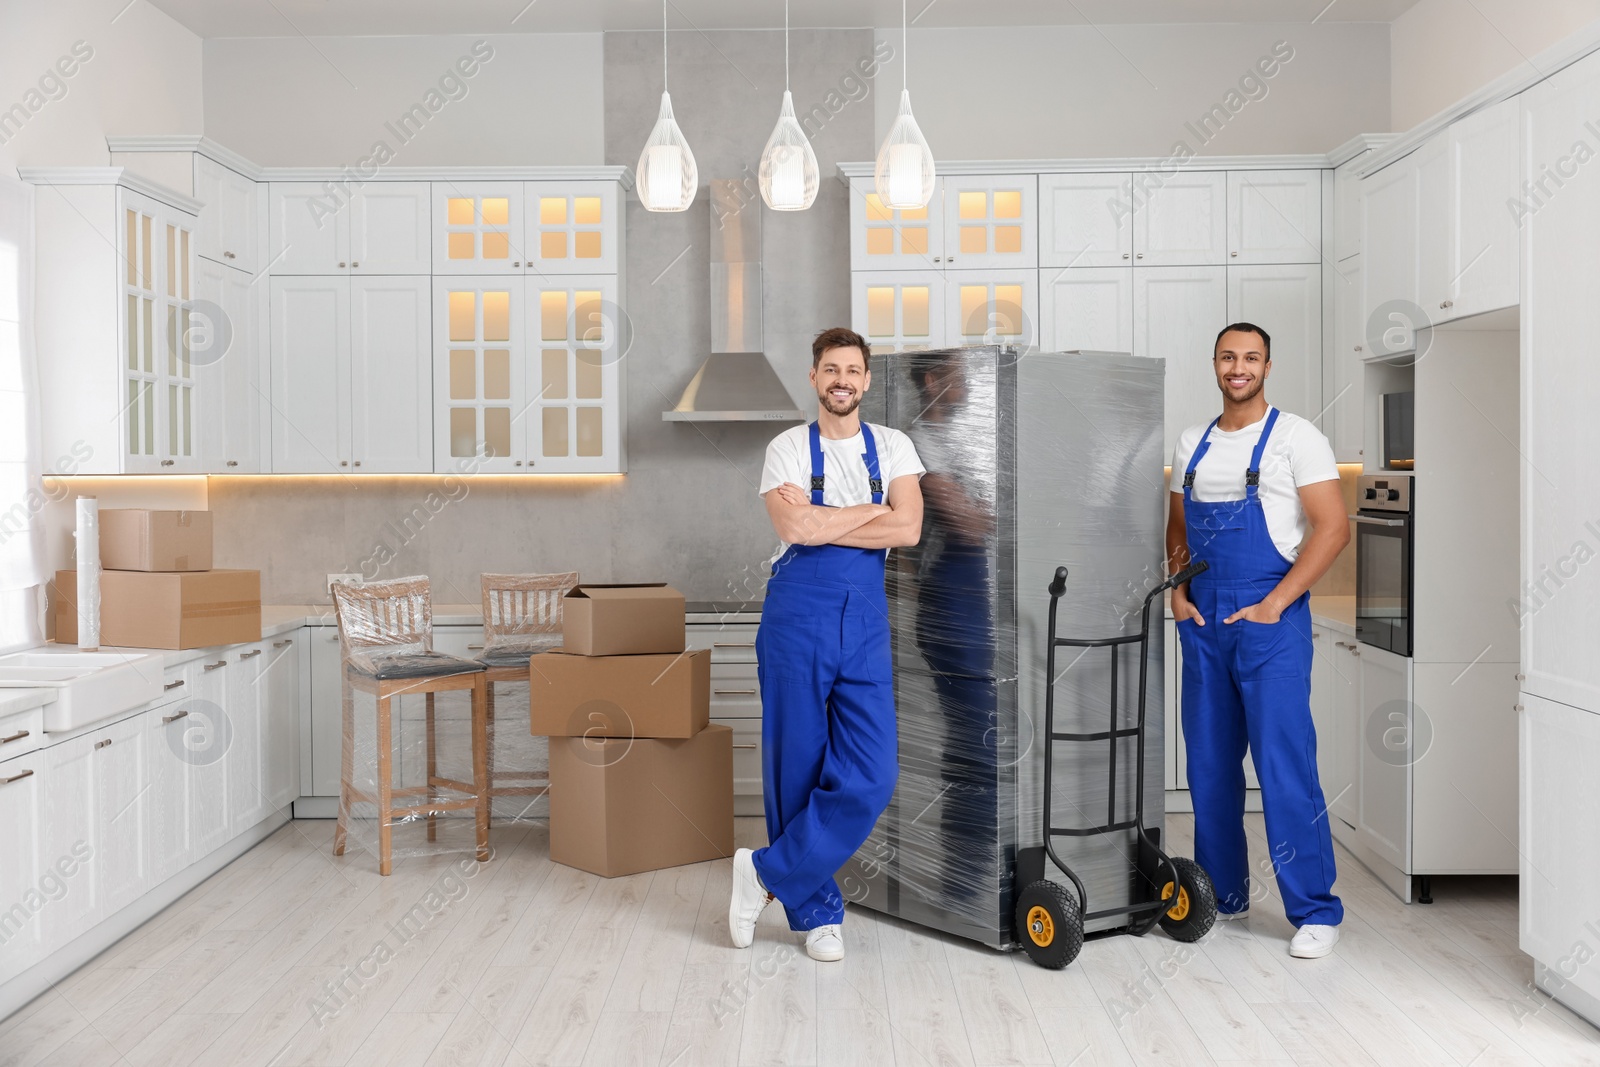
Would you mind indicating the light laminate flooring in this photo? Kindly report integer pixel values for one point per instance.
(291, 956)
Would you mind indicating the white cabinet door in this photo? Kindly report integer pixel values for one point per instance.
(307, 231)
(71, 837)
(575, 387)
(1340, 789)
(991, 307)
(23, 793)
(162, 407)
(883, 239)
(1177, 312)
(1485, 152)
(310, 338)
(1347, 210)
(991, 222)
(1086, 308)
(228, 367)
(898, 311)
(478, 228)
(391, 229)
(1085, 220)
(1435, 228)
(169, 804)
(280, 745)
(247, 801)
(210, 739)
(1466, 715)
(1275, 216)
(327, 730)
(1389, 258)
(573, 227)
(229, 230)
(481, 358)
(391, 396)
(121, 813)
(1343, 385)
(1286, 301)
(1388, 729)
(1184, 222)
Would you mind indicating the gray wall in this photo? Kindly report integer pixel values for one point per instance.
(686, 512)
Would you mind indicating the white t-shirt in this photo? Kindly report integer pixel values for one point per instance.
(1297, 454)
(845, 472)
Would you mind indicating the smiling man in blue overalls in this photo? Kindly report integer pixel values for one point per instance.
(840, 493)
(1260, 502)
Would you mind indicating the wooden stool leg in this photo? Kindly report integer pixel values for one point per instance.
(347, 742)
(433, 770)
(480, 763)
(488, 712)
(385, 788)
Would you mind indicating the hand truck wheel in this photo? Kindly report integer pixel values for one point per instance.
(1194, 902)
(1049, 924)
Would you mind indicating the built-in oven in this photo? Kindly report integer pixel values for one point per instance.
(1383, 561)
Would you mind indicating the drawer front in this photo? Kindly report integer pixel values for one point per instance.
(735, 693)
(22, 732)
(746, 755)
(730, 643)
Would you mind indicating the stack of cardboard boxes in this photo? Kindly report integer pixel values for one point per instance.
(158, 588)
(639, 778)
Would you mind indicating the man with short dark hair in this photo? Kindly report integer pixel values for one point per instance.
(1255, 494)
(840, 494)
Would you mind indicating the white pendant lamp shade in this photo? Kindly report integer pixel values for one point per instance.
(788, 176)
(904, 171)
(667, 177)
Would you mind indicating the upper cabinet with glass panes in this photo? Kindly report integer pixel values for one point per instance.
(534, 227)
(972, 222)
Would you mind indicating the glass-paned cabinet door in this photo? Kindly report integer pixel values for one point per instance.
(885, 239)
(480, 396)
(573, 227)
(143, 314)
(991, 221)
(575, 346)
(898, 311)
(478, 228)
(992, 307)
(181, 416)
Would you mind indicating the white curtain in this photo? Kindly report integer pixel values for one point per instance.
(22, 499)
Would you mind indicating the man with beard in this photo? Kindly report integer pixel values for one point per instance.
(1259, 501)
(840, 494)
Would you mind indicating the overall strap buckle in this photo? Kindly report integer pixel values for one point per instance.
(877, 485)
(816, 483)
(1188, 479)
(1252, 477)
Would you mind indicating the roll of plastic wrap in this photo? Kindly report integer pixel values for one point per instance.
(88, 535)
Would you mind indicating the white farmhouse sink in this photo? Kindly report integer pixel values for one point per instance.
(90, 686)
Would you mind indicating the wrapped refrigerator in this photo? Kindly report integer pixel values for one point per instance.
(1035, 460)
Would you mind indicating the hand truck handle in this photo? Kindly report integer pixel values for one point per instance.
(1059, 585)
(1199, 566)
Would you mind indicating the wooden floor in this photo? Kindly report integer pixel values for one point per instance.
(293, 956)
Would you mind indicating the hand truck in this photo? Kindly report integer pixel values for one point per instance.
(1050, 920)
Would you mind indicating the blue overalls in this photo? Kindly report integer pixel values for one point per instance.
(1249, 683)
(829, 754)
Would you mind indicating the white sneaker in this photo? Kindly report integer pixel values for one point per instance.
(1230, 916)
(1313, 942)
(825, 944)
(749, 897)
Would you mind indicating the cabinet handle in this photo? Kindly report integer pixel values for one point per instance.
(358, 463)
(1518, 707)
(98, 745)
(949, 259)
(1234, 254)
(471, 648)
(353, 263)
(167, 462)
(18, 736)
(249, 655)
(1124, 255)
(341, 263)
(285, 643)
(1141, 255)
(1446, 303)
(344, 463)
(171, 686)
(233, 463)
(1315, 634)
(735, 746)
(733, 644)
(518, 463)
(938, 259)
(1354, 651)
(518, 263)
(1358, 348)
(734, 692)
(1522, 677)
(214, 666)
(25, 774)
(174, 718)
(228, 255)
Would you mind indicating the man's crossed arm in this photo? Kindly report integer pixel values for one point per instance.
(896, 524)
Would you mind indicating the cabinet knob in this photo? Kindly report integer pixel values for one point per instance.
(1518, 707)
(344, 463)
(518, 463)
(1522, 677)
(341, 263)
(1358, 348)
(1124, 255)
(167, 462)
(233, 463)
(1446, 303)
(228, 255)
(1141, 255)
(353, 263)
(1235, 255)
(358, 463)
(949, 259)
(938, 259)
(517, 263)
(102, 744)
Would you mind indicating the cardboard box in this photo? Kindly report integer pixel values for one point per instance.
(166, 609)
(138, 539)
(624, 805)
(622, 620)
(619, 696)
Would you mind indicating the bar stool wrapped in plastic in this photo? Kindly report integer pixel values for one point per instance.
(386, 633)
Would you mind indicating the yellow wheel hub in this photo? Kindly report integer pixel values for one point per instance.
(1041, 928)
(1180, 908)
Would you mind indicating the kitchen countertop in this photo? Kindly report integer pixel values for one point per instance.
(15, 700)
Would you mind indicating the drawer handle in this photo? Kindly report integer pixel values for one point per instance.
(733, 644)
(98, 745)
(734, 692)
(18, 736)
(249, 655)
(174, 718)
(735, 746)
(171, 685)
(283, 644)
(214, 666)
(474, 648)
(15, 778)
(1316, 633)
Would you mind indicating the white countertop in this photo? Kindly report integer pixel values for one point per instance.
(15, 700)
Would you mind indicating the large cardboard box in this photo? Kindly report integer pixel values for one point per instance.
(624, 805)
(166, 609)
(139, 539)
(622, 620)
(619, 696)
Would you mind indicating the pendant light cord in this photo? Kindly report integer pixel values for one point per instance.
(785, 45)
(905, 51)
(664, 44)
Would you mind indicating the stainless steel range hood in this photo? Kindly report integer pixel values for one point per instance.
(735, 383)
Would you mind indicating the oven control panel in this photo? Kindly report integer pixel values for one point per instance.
(1384, 492)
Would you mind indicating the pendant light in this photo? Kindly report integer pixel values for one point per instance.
(904, 171)
(667, 178)
(788, 175)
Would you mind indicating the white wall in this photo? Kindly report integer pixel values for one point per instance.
(1080, 91)
(1442, 50)
(289, 101)
(142, 76)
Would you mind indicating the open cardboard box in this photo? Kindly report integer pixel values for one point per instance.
(622, 620)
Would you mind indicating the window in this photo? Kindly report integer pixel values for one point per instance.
(21, 499)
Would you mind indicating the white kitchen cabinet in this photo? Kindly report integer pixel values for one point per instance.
(70, 772)
(1347, 210)
(119, 816)
(991, 221)
(1464, 793)
(993, 307)
(1274, 216)
(480, 385)
(232, 222)
(478, 228)
(350, 365)
(1343, 383)
(1286, 301)
(1434, 223)
(1389, 258)
(327, 731)
(885, 239)
(1485, 151)
(281, 694)
(1183, 222)
(381, 228)
(1086, 308)
(1085, 220)
(1388, 732)
(899, 311)
(1177, 312)
(247, 751)
(539, 227)
(1340, 787)
(229, 367)
(169, 801)
(23, 791)
(212, 746)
